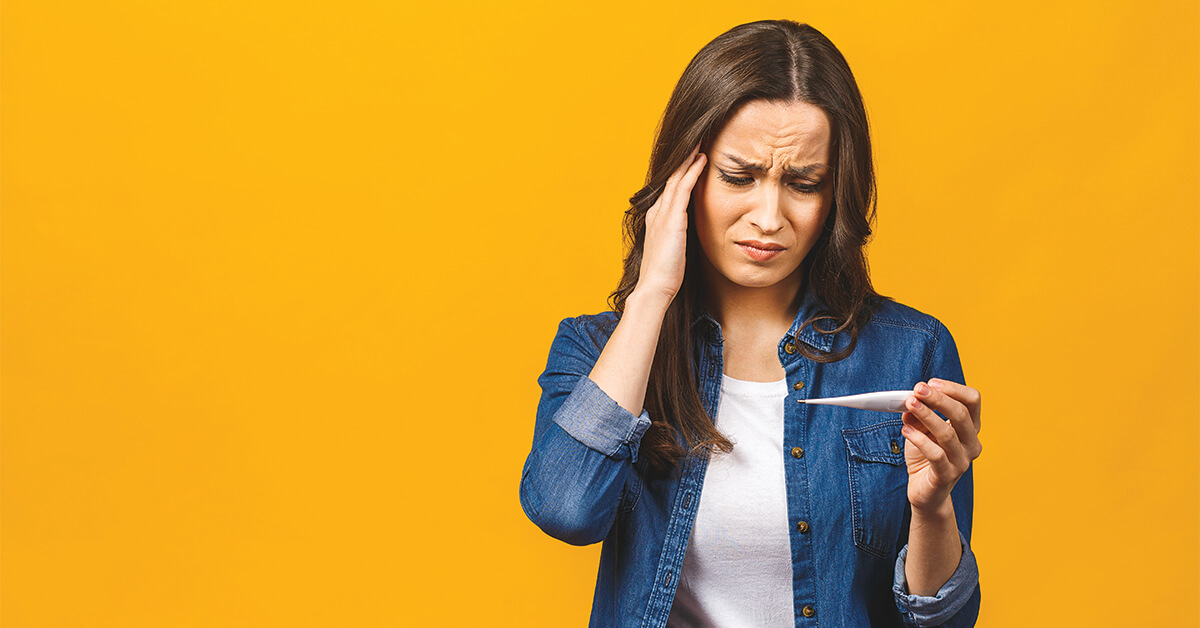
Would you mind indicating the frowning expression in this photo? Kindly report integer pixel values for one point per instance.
(765, 193)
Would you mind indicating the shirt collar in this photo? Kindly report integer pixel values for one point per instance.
(811, 306)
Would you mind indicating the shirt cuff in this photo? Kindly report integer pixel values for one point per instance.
(924, 610)
(591, 417)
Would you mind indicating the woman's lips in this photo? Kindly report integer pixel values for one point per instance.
(759, 251)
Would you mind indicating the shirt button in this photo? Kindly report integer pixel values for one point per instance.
(790, 348)
(803, 527)
(797, 385)
(797, 452)
(808, 611)
(895, 447)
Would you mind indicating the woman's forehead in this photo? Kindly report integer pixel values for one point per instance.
(774, 134)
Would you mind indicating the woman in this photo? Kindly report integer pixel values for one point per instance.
(671, 428)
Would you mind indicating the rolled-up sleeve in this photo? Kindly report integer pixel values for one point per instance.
(942, 609)
(584, 443)
(594, 419)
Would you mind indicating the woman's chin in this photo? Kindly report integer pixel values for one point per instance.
(760, 279)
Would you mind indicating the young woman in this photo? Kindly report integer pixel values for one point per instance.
(671, 428)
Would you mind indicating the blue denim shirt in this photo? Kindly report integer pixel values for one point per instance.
(583, 482)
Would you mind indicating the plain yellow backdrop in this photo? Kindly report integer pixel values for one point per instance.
(278, 279)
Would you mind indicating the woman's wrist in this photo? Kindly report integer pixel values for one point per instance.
(623, 369)
(934, 549)
(648, 301)
(941, 513)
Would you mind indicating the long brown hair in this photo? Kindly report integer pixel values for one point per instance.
(773, 60)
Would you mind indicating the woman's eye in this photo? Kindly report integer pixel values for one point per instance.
(734, 180)
(806, 188)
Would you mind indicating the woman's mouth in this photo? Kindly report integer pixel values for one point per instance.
(760, 251)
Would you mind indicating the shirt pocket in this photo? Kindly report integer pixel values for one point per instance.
(878, 485)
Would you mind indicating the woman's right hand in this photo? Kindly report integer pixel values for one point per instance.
(665, 244)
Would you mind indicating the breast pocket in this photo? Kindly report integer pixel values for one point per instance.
(878, 485)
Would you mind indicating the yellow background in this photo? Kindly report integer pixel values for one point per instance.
(278, 279)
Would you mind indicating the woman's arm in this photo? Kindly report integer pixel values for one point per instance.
(937, 579)
(584, 443)
(591, 419)
(623, 369)
(945, 449)
(956, 602)
(933, 549)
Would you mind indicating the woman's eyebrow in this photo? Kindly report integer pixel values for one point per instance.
(792, 171)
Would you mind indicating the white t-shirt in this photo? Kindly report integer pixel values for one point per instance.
(737, 570)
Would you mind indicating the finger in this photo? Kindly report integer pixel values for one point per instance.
(939, 461)
(681, 190)
(950, 407)
(957, 413)
(912, 421)
(942, 431)
(670, 195)
(692, 175)
(682, 168)
(968, 396)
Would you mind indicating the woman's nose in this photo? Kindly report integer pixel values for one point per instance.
(767, 214)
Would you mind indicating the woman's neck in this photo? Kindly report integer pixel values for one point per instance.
(753, 311)
(753, 320)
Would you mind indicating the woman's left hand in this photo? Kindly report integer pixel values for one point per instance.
(939, 451)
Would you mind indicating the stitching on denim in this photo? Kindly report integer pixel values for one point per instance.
(907, 601)
(589, 435)
(892, 322)
(816, 340)
(626, 441)
(869, 455)
(857, 518)
(602, 433)
(657, 610)
(632, 493)
(589, 325)
(868, 428)
(930, 352)
(805, 411)
(931, 333)
(656, 606)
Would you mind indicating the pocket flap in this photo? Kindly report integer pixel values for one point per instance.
(882, 442)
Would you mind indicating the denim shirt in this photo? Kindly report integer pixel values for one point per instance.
(844, 470)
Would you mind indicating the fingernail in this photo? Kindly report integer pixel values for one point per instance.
(922, 390)
(936, 383)
(906, 430)
(913, 404)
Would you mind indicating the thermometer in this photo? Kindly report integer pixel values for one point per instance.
(886, 401)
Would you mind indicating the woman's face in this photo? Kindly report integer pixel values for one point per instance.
(765, 193)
